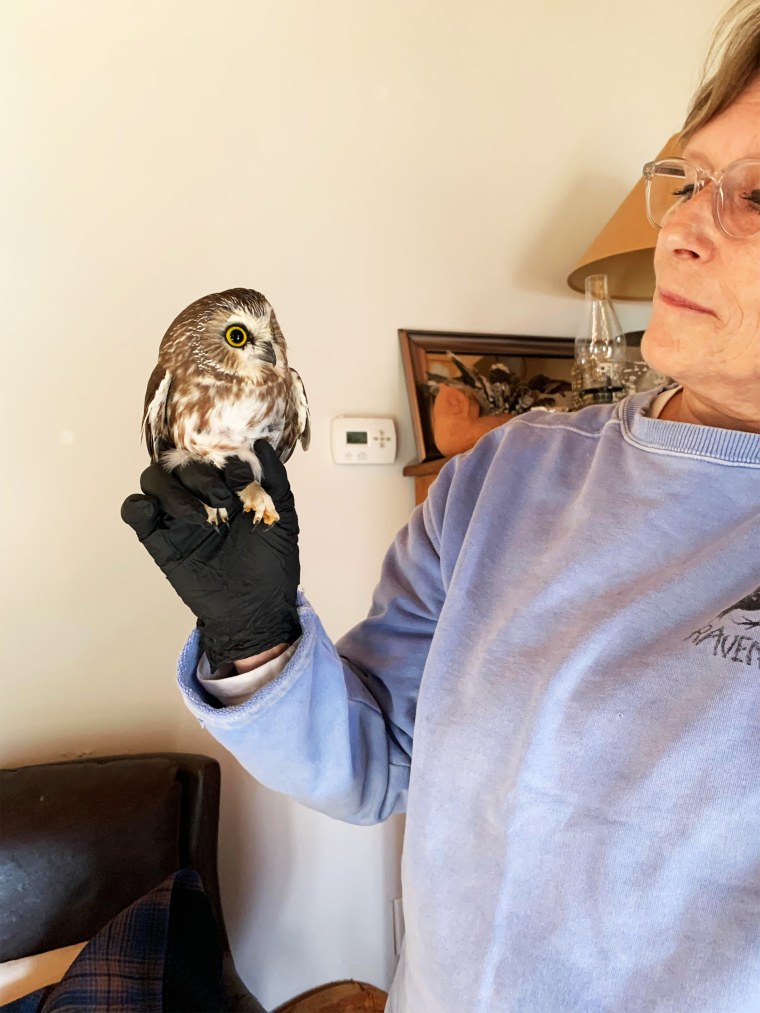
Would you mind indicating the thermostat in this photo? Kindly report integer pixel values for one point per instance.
(363, 440)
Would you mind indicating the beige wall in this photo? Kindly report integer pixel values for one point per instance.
(369, 166)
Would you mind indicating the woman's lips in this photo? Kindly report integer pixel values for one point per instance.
(684, 304)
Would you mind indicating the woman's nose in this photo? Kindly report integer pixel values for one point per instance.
(689, 230)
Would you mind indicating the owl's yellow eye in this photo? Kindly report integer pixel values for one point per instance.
(236, 336)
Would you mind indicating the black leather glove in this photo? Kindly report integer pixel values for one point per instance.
(240, 578)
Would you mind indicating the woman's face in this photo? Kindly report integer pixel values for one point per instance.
(713, 351)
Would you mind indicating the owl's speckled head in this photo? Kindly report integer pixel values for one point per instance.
(228, 334)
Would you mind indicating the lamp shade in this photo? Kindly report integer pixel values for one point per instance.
(624, 249)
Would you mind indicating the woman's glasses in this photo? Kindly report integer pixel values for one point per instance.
(735, 196)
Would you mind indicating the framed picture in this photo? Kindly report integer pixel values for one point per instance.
(427, 357)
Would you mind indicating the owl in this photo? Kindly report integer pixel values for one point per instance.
(222, 381)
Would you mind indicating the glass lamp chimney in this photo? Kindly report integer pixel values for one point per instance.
(600, 349)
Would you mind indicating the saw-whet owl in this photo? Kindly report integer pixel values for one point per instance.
(222, 381)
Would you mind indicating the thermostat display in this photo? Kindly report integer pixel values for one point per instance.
(363, 440)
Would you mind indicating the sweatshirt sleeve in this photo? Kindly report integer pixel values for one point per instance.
(231, 687)
(334, 729)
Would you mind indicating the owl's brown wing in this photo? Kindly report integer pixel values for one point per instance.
(299, 428)
(304, 422)
(155, 427)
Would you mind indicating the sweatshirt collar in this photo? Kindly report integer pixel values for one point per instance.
(727, 446)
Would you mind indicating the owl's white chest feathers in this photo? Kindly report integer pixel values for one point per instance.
(215, 428)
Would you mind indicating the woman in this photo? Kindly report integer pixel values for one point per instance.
(567, 631)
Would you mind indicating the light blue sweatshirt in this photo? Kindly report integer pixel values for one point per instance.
(568, 631)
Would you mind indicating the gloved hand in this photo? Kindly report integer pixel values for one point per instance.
(240, 578)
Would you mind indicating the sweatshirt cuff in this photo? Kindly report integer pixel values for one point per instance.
(230, 687)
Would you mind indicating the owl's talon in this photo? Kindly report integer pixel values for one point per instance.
(257, 501)
(216, 515)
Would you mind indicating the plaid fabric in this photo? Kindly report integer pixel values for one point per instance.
(121, 970)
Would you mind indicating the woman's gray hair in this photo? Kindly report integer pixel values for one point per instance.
(733, 62)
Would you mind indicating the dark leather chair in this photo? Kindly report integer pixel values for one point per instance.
(80, 840)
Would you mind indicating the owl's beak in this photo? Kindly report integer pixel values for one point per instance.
(265, 351)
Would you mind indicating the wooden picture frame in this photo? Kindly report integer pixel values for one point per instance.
(553, 356)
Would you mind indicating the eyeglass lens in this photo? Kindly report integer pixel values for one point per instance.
(737, 206)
